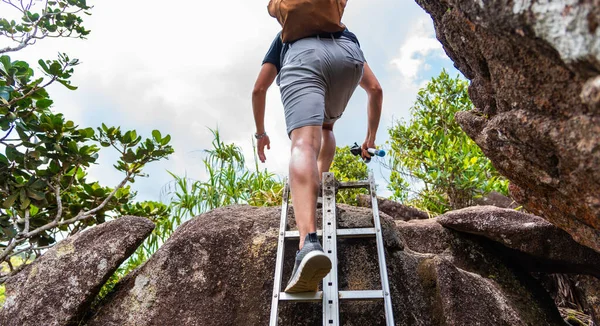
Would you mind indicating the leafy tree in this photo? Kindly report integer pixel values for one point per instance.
(347, 167)
(44, 191)
(58, 18)
(432, 157)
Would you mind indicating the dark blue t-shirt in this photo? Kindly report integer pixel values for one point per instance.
(276, 51)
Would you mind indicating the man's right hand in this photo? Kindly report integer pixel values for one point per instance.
(260, 146)
(365, 146)
(371, 85)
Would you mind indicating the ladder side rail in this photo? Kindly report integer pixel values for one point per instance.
(331, 315)
(280, 253)
(389, 314)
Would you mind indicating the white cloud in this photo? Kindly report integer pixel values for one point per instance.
(417, 47)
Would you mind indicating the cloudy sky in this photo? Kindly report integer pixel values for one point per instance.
(184, 66)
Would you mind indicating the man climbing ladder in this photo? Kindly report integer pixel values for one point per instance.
(317, 74)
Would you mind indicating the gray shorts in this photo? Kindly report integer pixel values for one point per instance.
(317, 78)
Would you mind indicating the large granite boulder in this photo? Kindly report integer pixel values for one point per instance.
(534, 68)
(394, 209)
(217, 269)
(497, 199)
(466, 281)
(59, 287)
(547, 247)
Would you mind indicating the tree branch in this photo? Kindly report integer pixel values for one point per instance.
(26, 221)
(33, 35)
(58, 201)
(12, 244)
(12, 4)
(30, 248)
(12, 126)
(82, 215)
(33, 90)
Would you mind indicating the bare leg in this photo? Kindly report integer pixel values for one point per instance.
(327, 151)
(304, 178)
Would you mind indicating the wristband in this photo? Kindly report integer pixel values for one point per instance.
(259, 136)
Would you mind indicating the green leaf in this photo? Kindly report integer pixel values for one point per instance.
(9, 231)
(38, 184)
(11, 153)
(23, 194)
(99, 192)
(54, 167)
(5, 60)
(67, 84)
(33, 210)
(166, 140)
(25, 203)
(3, 159)
(43, 104)
(73, 146)
(10, 201)
(44, 66)
(36, 195)
(156, 135)
(127, 137)
(89, 132)
(129, 157)
(55, 68)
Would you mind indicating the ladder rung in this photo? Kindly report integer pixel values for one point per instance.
(344, 295)
(355, 184)
(356, 233)
(301, 297)
(295, 235)
(342, 233)
(361, 295)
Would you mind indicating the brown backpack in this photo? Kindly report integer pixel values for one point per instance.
(302, 18)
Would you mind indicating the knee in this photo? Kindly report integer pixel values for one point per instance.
(303, 147)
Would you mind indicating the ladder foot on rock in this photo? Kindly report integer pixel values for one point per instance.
(331, 296)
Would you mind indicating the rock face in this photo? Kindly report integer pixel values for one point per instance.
(217, 269)
(59, 287)
(394, 209)
(590, 290)
(497, 199)
(545, 245)
(534, 68)
(456, 271)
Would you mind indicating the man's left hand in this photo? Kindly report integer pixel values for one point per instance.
(260, 146)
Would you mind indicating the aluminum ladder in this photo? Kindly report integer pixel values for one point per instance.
(331, 296)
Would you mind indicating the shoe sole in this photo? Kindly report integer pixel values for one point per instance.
(313, 268)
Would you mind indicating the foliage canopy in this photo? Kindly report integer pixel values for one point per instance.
(433, 154)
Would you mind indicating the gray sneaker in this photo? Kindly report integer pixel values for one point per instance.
(311, 266)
